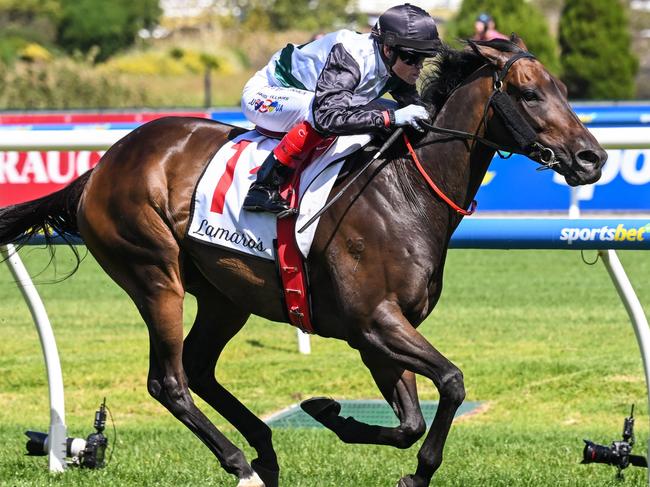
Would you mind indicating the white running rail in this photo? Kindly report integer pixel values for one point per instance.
(57, 435)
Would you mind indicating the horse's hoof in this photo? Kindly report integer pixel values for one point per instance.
(252, 481)
(406, 481)
(270, 477)
(321, 408)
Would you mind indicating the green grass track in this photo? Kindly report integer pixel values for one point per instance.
(541, 337)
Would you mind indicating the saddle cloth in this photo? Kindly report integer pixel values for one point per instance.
(217, 216)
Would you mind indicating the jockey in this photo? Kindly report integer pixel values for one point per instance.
(326, 87)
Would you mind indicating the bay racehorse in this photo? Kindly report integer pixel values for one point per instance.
(375, 267)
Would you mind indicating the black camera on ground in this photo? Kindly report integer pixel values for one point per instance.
(88, 453)
(618, 454)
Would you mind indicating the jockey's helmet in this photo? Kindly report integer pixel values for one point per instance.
(407, 28)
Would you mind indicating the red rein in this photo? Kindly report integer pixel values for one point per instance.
(432, 185)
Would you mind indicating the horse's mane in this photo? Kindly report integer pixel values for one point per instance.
(451, 67)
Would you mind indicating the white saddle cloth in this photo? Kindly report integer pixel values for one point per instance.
(217, 217)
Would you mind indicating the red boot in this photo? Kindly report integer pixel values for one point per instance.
(293, 149)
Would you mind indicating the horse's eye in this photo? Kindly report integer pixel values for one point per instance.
(530, 96)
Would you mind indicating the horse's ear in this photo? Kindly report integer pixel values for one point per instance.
(474, 47)
(490, 54)
(518, 41)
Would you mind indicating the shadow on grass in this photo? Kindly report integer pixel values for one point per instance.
(258, 344)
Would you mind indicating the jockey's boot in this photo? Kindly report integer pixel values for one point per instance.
(264, 193)
(294, 148)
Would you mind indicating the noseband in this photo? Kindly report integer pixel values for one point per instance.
(520, 130)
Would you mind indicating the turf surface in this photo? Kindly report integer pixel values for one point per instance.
(543, 341)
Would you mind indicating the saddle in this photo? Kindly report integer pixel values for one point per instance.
(217, 217)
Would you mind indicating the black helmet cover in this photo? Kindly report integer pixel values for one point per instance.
(407, 28)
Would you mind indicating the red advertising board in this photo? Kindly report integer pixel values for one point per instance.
(28, 175)
(9, 118)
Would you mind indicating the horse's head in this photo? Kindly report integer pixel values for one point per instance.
(532, 114)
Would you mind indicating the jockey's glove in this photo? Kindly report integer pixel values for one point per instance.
(411, 115)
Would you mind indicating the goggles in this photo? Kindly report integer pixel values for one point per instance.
(411, 58)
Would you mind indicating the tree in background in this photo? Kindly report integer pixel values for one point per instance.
(107, 26)
(596, 50)
(24, 22)
(281, 15)
(26, 12)
(517, 16)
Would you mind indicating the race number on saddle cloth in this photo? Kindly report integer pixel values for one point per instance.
(217, 217)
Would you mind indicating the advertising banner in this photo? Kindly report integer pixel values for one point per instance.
(515, 184)
(28, 175)
(512, 184)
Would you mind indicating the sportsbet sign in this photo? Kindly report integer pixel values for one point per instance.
(553, 233)
(618, 233)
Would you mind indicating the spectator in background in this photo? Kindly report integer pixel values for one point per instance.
(485, 29)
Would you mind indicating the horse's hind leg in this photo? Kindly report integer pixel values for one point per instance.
(398, 387)
(168, 384)
(150, 273)
(217, 321)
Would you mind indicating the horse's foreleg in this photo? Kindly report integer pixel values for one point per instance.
(398, 387)
(392, 336)
(217, 321)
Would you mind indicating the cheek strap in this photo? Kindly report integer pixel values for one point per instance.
(519, 128)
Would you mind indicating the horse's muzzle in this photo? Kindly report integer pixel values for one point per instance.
(588, 164)
(595, 158)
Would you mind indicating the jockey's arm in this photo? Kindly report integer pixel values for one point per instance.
(333, 109)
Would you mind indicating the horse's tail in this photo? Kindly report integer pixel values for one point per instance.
(52, 215)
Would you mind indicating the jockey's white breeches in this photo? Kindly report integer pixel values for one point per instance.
(275, 108)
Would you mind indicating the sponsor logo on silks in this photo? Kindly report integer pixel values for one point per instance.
(605, 234)
(266, 106)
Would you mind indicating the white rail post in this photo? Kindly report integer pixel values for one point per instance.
(56, 444)
(634, 311)
(574, 206)
(304, 342)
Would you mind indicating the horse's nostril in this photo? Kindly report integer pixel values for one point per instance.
(592, 157)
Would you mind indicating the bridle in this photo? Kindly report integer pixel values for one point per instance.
(522, 132)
